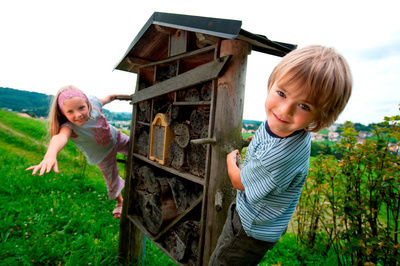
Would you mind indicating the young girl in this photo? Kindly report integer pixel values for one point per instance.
(75, 116)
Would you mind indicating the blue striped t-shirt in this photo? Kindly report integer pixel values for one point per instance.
(273, 176)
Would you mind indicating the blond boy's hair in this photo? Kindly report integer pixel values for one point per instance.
(324, 77)
(56, 118)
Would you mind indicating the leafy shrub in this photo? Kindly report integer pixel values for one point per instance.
(354, 202)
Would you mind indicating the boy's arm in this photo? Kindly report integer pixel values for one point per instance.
(234, 170)
(57, 143)
(112, 97)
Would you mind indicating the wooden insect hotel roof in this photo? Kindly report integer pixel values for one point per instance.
(152, 42)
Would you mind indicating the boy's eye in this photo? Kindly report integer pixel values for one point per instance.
(280, 93)
(305, 107)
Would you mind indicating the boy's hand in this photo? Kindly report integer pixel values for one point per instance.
(45, 166)
(231, 157)
(233, 169)
(234, 158)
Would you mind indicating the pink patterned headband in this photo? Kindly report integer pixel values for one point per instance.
(68, 94)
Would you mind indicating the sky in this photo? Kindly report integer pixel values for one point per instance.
(47, 44)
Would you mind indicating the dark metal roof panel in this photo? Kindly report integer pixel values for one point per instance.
(262, 44)
(224, 28)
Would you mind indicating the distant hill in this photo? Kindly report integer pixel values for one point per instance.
(32, 103)
(37, 104)
(251, 124)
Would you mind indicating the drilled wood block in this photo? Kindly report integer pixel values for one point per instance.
(182, 136)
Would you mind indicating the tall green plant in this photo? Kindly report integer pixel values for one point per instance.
(354, 203)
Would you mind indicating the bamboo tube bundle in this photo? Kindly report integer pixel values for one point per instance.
(196, 159)
(192, 95)
(156, 202)
(176, 155)
(180, 194)
(142, 144)
(166, 72)
(205, 92)
(144, 111)
(182, 242)
(198, 119)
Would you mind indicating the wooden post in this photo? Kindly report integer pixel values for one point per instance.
(227, 133)
(131, 239)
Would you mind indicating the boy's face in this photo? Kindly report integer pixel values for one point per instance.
(288, 110)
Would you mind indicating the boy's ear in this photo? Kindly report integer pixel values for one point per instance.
(312, 126)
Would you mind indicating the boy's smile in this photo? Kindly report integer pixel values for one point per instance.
(288, 110)
(76, 111)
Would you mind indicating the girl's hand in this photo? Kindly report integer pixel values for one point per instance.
(57, 143)
(113, 97)
(45, 166)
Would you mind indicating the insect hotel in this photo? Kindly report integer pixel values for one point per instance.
(187, 115)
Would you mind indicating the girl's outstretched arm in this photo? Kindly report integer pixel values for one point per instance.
(57, 143)
(112, 97)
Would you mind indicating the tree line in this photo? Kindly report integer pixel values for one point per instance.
(37, 104)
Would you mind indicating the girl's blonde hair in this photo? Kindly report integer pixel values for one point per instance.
(56, 117)
(324, 77)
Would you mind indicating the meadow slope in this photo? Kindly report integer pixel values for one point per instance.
(55, 219)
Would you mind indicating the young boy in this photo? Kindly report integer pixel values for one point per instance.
(307, 91)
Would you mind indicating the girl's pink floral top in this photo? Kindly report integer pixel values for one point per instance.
(96, 138)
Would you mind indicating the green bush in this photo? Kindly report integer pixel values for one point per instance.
(354, 202)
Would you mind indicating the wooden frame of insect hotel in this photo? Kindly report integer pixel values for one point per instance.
(187, 114)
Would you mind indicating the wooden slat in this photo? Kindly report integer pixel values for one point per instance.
(181, 56)
(131, 242)
(193, 77)
(227, 130)
(203, 141)
(143, 123)
(135, 220)
(208, 164)
(121, 98)
(193, 178)
(193, 103)
(178, 218)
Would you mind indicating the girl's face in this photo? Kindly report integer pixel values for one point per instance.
(288, 110)
(76, 111)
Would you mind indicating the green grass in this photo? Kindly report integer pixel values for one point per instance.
(289, 252)
(56, 218)
(35, 127)
(246, 135)
(65, 218)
